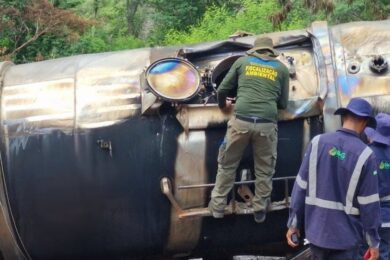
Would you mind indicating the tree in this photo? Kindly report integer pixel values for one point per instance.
(131, 10)
(181, 15)
(282, 15)
(96, 6)
(66, 4)
(251, 18)
(26, 22)
(40, 29)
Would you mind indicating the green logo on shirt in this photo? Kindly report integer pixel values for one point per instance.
(384, 165)
(337, 153)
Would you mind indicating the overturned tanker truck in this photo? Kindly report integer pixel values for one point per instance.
(113, 155)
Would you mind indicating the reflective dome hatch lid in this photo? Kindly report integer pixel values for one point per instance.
(173, 79)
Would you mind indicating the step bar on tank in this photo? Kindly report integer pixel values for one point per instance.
(234, 207)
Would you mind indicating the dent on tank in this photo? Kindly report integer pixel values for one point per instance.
(113, 155)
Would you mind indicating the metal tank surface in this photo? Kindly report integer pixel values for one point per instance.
(113, 155)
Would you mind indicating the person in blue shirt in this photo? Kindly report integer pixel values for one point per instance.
(335, 196)
(380, 144)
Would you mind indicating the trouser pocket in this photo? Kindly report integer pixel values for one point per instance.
(235, 141)
(238, 127)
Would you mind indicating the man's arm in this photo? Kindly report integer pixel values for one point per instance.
(285, 88)
(229, 83)
(368, 199)
(221, 99)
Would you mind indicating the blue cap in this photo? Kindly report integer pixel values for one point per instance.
(359, 107)
(382, 132)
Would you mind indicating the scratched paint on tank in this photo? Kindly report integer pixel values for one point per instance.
(348, 84)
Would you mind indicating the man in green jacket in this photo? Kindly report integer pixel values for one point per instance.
(262, 84)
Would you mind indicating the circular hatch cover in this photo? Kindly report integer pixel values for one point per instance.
(173, 79)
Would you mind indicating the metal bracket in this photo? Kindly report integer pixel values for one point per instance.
(166, 188)
(105, 145)
(243, 190)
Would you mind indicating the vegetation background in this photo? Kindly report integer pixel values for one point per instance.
(33, 30)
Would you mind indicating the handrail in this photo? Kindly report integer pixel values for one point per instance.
(233, 208)
(195, 186)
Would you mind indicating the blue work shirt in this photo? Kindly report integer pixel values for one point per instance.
(382, 153)
(335, 195)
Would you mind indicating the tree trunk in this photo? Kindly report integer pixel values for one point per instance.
(131, 10)
(96, 7)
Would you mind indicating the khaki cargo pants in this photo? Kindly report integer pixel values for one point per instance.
(264, 138)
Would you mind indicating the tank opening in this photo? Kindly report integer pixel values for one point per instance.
(222, 69)
(378, 64)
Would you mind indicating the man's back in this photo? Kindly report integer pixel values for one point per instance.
(335, 166)
(338, 153)
(333, 207)
(382, 153)
(335, 195)
(262, 86)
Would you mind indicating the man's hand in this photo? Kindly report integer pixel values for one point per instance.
(373, 253)
(290, 233)
(228, 106)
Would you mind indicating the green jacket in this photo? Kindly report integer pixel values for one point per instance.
(262, 84)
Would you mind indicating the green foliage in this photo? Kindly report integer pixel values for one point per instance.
(175, 15)
(34, 27)
(359, 10)
(300, 17)
(96, 41)
(47, 47)
(66, 4)
(181, 16)
(90, 42)
(219, 22)
(5, 42)
(348, 12)
(127, 24)
(126, 42)
(19, 4)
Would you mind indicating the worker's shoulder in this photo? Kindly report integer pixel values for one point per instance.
(264, 60)
(241, 61)
(245, 58)
(347, 142)
(283, 66)
(323, 136)
(340, 138)
(280, 65)
(381, 151)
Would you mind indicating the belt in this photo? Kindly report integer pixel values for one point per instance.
(253, 119)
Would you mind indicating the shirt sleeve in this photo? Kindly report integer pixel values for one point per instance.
(229, 83)
(298, 194)
(285, 88)
(368, 200)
